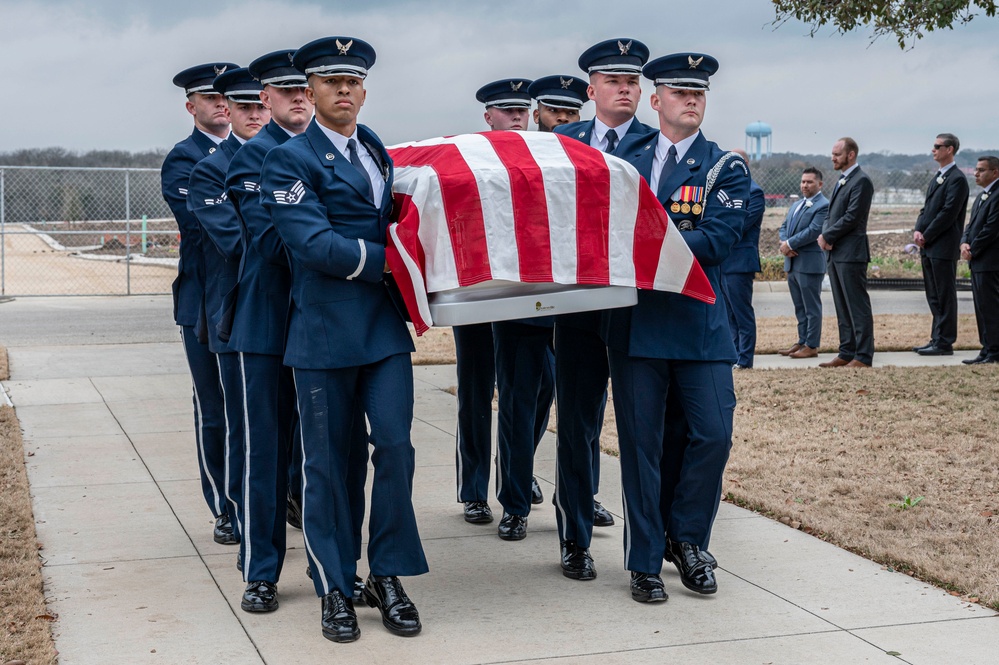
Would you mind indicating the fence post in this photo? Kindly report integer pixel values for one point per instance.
(128, 240)
(3, 237)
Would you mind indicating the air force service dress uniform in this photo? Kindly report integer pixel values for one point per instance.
(671, 347)
(524, 370)
(738, 273)
(581, 370)
(188, 303)
(347, 342)
(222, 249)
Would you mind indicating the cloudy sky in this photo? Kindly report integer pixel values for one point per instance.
(96, 74)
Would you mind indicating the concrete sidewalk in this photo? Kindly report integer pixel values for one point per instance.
(133, 573)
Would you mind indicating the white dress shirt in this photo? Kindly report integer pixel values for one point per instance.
(598, 137)
(367, 161)
(662, 148)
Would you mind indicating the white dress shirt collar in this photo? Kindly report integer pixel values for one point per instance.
(662, 149)
(367, 161)
(846, 173)
(598, 139)
(214, 139)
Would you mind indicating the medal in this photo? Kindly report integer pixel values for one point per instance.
(696, 208)
(685, 208)
(675, 208)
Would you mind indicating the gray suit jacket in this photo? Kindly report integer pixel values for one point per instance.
(846, 226)
(801, 232)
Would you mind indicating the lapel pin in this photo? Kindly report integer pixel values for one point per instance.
(329, 156)
(690, 161)
(211, 151)
(648, 146)
(582, 134)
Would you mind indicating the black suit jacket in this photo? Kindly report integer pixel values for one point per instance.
(982, 232)
(942, 218)
(846, 226)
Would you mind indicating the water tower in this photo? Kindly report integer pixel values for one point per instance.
(756, 133)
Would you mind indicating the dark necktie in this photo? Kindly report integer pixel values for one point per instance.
(668, 165)
(356, 161)
(797, 215)
(611, 140)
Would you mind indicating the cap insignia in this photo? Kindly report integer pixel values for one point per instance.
(565, 82)
(344, 47)
(291, 56)
(625, 47)
(219, 71)
(694, 63)
(516, 86)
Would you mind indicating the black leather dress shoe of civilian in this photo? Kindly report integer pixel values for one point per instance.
(223, 533)
(260, 597)
(577, 564)
(648, 588)
(512, 527)
(917, 349)
(601, 516)
(294, 512)
(982, 355)
(934, 350)
(339, 619)
(478, 512)
(536, 495)
(695, 573)
(705, 555)
(399, 613)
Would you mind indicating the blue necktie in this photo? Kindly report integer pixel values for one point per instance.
(611, 140)
(668, 165)
(356, 161)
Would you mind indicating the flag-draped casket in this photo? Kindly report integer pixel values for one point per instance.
(528, 207)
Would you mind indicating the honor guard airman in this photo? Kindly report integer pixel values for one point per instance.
(613, 68)
(221, 247)
(525, 365)
(670, 355)
(329, 193)
(559, 99)
(211, 126)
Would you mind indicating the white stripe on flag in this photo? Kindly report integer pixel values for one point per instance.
(560, 196)
(423, 185)
(493, 182)
(624, 180)
(675, 261)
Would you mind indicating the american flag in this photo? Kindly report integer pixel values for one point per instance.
(528, 207)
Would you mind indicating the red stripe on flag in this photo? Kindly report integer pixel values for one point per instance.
(697, 285)
(592, 212)
(651, 227)
(408, 232)
(462, 206)
(530, 206)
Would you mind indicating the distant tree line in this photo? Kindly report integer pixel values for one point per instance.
(93, 158)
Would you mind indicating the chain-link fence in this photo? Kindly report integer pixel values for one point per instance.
(85, 231)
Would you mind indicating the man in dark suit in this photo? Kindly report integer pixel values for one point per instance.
(739, 272)
(844, 238)
(211, 126)
(581, 370)
(938, 234)
(804, 262)
(670, 355)
(329, 192)
(980, 248)
(222, 250)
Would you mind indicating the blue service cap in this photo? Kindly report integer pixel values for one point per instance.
(336, 56)
(201, 77)
(684, 71)
(276, 69)
(239, 85)
(506, 94)
(559, 92)
(615, 56)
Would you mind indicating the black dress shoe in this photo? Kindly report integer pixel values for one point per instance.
(577, 564)
(936, 351)
(358, 589)
(536, 495)
(260, 597)
(648, 588)
(223, 533)
(601, 516)
(239, 562)
(917, 349)
(478, 512)
(982, 355)
(339, 619)
(512, 527)
(989, 360)
(294, 513)
(705, 555)
(399, 613)
(695, 573)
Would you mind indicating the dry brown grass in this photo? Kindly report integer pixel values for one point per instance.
(435, 347)
(4, 368)
(892, 332)
(26, 631)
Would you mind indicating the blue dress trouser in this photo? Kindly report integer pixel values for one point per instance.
(231, 378)
(525, 379)
(649, 442)
(327, 400)
(581, 374)
(737, 288)
(476, 384)
(806, 294)
(209, 419)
